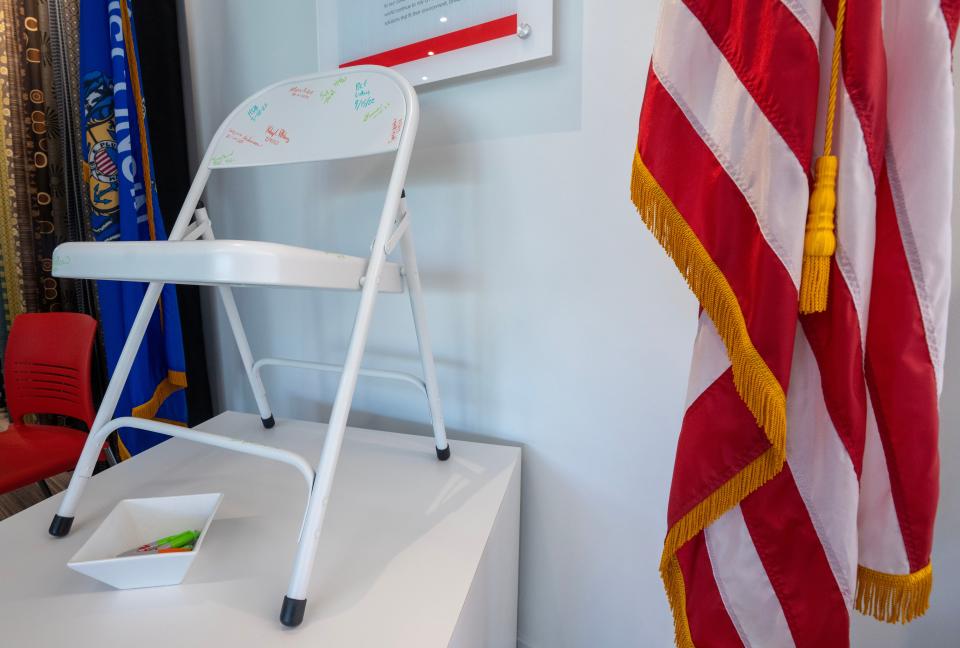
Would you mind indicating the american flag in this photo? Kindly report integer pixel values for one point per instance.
(103, 162)
(806, 476)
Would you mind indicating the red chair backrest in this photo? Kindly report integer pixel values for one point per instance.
(46, 369)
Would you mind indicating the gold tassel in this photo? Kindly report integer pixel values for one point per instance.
(893, 598)
(820, 242)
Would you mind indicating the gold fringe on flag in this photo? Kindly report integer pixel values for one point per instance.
(677, 596)
(174, 382)
(893, 598)
(755, 383)
(125, 453)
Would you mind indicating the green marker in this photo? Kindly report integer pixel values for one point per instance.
(170, 542)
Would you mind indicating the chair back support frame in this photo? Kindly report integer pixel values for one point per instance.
(372, 110)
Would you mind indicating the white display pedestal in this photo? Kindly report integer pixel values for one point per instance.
(414, 552)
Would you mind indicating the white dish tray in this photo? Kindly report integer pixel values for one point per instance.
(135, 522)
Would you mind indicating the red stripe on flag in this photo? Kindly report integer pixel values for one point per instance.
(951, 14)
(707, 616)
(834, 337)
(104, 163)
(723, 222)
(865, 73)
(488, 31)
(796, 564)
(903, 385)
(719, 437)
(774, 58)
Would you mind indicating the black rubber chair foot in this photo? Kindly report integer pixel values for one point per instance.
(291, 613)
(268, 422)
(60, 526)
(444, 454)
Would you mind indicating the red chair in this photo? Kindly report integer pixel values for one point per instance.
(46, 370)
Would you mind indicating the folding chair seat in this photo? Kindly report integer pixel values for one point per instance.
(220, 262)
(359, 111)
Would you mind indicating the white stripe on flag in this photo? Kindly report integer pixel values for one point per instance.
(807, 13)
(822, 469)
(881, 541)
(709, 359)
(920, 158)
(726, 117)
(744, 586)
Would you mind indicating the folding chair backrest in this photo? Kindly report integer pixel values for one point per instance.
(349, 113)
(46, 369)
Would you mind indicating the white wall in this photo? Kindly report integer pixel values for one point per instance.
(558, 322)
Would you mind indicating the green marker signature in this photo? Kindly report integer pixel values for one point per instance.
(376, 112)
(223, 158)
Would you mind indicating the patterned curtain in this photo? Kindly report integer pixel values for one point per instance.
(64, 17)
(43, 200)
(41, 197)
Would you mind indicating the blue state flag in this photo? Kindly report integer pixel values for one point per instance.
(118, 175)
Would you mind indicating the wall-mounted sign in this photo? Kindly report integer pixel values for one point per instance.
(430, 40)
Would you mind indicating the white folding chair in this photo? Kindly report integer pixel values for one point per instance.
(351, 113)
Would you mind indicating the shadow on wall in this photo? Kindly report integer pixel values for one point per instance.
(313, 410)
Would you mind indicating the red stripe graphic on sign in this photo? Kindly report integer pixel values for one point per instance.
(488, 31)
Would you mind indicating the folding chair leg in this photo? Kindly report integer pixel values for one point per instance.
(256, 384)
(423, 340)
(295, 601)
(111, 458)
(63, 520)
(233, 315)
(44, 488)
